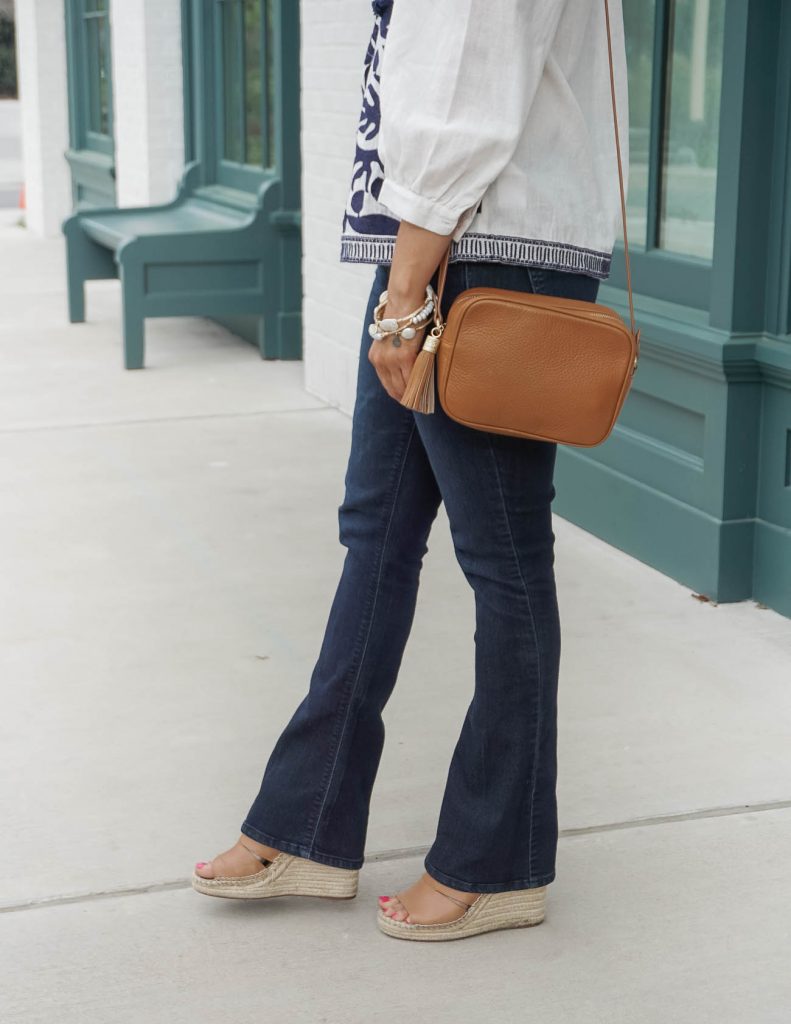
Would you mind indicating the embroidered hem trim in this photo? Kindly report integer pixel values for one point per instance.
(490, 248)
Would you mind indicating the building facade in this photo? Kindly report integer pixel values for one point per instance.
(118, 97)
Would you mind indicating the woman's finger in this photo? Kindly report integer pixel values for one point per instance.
(403, 361)
(394, 366)
(396, 382)
(384, 371)
(405, 369)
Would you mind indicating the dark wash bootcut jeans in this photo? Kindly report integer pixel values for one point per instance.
(498, 827)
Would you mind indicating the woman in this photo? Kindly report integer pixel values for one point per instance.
(486, 126)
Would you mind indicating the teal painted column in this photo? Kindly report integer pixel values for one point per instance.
(772, 563)
(740, 267)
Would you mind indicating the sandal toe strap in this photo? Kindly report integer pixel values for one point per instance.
(455, 899)
(257, 856)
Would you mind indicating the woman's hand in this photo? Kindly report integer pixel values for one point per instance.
(392, 363)
(416, 256)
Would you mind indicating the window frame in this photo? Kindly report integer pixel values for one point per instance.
(778, 318)
(80, 63)
(657, 272)
(203, 92)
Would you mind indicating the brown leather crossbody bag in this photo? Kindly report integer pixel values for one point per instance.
(537, 366)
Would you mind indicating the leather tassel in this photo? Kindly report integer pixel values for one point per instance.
(419, 392)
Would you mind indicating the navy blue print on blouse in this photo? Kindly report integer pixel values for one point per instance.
(368, 173)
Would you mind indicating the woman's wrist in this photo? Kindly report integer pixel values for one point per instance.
(401, 300)
(416, 257)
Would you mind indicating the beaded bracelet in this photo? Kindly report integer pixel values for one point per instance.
(405, 327)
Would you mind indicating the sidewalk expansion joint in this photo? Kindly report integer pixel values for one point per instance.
(39, 428)
(406, 852)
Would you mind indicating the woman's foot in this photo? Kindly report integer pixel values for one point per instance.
(238, 861)
(429, 902)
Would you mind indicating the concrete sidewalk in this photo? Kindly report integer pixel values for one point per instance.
(169, 552)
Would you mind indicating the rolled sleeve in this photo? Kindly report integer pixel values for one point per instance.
(407, 204)
(457, 83)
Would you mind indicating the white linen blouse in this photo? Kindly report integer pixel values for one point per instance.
(491, 121)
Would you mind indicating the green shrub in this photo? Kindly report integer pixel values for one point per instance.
(7, 56)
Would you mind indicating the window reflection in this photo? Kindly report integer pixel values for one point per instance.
(248, 81)
(690, 144)
(232, 81)
(639, 27)
(97, 66)
(252, 83)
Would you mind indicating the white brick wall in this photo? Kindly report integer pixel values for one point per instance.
(148, 99)
(41, 46)
(335, 34)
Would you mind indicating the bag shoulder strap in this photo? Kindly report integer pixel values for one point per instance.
(620, 171)
(443, 267)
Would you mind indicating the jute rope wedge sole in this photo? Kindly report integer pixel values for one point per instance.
(286, 875)
(518, 908)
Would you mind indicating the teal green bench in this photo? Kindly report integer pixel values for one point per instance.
(213, 251)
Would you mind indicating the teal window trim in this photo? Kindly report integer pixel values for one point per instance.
(287, 119)
(187, 78)
(752, 185)
(85, 104)
(658, 116)
(778, 299)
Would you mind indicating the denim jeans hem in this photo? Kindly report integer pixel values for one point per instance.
(299, 850)
(462, 886)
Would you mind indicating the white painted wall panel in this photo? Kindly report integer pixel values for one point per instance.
(41, 55)
(335, 35)
(148, 99)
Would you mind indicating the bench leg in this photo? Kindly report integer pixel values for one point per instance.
(76, 289)
(267, 336)
(290, 328)
(133, 320)
(86, 260)
(134, 342)
(280, 335)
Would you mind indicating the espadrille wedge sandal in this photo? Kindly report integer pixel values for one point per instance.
(286, 875)
(517, 908)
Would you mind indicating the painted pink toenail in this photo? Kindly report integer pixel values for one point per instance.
(384, 897)
(201, 864)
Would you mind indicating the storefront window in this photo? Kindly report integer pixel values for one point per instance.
(247, 108)
(691, 130)
(253, 100)
(639, 25)
(91, 69)
(98, 46)
(232, 81)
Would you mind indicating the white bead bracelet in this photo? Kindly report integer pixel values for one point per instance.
(405, 327)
